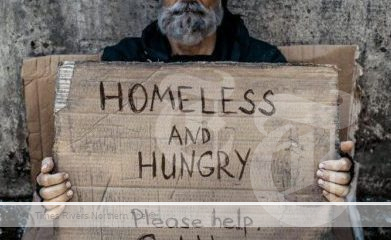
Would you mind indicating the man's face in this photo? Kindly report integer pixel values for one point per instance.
(190, 21)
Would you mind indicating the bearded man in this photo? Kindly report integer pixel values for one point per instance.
(190, 30)
(197, 30)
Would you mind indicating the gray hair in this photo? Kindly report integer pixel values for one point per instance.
(189, 22)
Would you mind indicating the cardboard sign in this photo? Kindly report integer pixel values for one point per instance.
(39, 76)
(194, 132)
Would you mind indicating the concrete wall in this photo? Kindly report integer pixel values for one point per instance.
(41, 27)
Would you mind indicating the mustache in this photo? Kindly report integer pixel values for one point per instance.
(189, 21)
(188, 7)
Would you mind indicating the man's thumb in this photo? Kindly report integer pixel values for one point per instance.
(47, 165)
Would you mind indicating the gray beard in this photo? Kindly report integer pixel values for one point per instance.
(189, 23)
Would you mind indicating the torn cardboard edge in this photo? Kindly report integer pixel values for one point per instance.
(356, 101)
(65, 74)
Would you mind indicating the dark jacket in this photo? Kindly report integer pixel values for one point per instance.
(233, 44)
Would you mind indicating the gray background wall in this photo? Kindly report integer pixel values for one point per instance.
(41, 27)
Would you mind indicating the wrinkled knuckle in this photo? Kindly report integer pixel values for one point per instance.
(344, 192)
(345, 164)
(44, 193)
(327, 194)
(45, 180)
(69, 195)
(38, 179)
(326, 186)
(334, 198)
(348, 163)
(346, 178)
(61, 198)
(343, 179)
(64, 189)
(326, 175)
(338, 199)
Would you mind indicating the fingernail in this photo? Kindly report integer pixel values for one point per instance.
(321, 166)
(44, 167)
(66, 176)
(68, 184)
(319, 173)
(70, 193)
(320, 182)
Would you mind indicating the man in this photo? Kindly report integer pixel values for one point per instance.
(197, 30)
(194, 31)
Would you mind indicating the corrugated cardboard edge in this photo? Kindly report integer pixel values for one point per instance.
(301, 54)
(217, 64)
(357, 91)
(355, 110)
(39, 82)
(63, 85)
(315, 54)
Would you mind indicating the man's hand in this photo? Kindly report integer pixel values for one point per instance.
(55, 188)
(334, 175)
